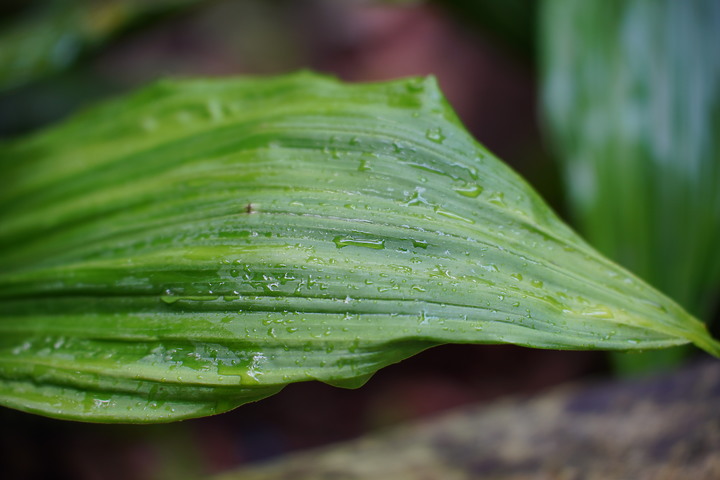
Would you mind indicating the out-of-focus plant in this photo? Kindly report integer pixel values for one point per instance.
(632, 94)
(512, 23)
(52, 36)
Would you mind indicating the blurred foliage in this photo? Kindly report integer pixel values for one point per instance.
(512, 23)
(39, 103)
(140, 43)
(632, 96)
(50, 37)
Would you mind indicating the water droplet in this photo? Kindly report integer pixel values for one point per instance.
(656, 305)
(364, 165)
(342, 241)
(470, 190)
(435, 135)
(420, 244)
(101, 403)
(415, 85)
(497, 198)
(22, 348)
(416, 198)
(441, 271)
(149, 124)
(598, 312)
(169, 298)
(185, 117)
(215, 110)
(453, 216)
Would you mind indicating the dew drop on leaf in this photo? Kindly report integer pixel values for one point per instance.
(342, 241)
(435, 135)
(470, 190)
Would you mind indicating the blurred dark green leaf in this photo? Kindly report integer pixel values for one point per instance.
(511, 23)
(52, 36)
(632, 94)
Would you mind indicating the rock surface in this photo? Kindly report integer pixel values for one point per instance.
(665, 427)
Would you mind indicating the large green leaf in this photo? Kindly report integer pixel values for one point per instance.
(632, 93)
(200, 244)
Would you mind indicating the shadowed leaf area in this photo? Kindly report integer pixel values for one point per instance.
(202, 243)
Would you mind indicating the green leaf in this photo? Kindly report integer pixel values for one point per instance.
(632, 94)
(202, 243)
(53, 38)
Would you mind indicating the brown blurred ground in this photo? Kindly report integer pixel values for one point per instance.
(665, 428)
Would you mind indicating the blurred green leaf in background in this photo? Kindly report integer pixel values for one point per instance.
(52, 36)
(114, 46)
(631, 90)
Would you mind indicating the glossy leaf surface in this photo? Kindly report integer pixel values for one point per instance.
(200, 244)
